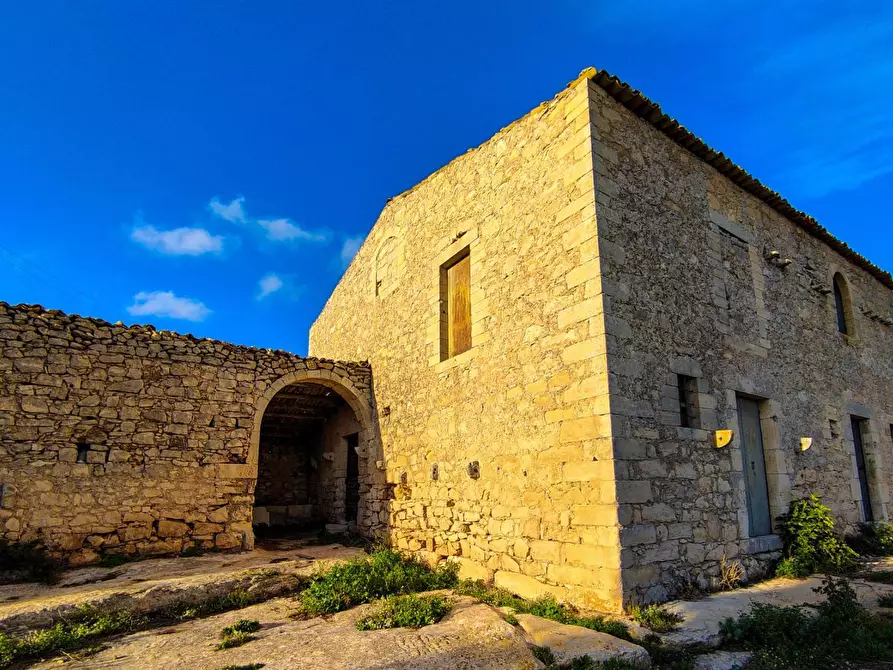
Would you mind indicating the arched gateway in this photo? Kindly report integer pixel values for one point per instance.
(312, 452)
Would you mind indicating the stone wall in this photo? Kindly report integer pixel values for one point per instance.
(166, 423)
(692, 287)
(495, 455)
(285, 468)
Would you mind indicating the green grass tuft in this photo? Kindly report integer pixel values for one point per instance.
(657, 618)
(363, 580)
(545, 607)
(407, 611)
(885, 600)
(544, 655)
(880, 576)
(237, 639)
(241, 626)
(80, 630)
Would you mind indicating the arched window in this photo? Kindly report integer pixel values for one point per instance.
(842, 305)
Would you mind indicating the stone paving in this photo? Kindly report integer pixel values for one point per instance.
(153, 583)
(702, 618)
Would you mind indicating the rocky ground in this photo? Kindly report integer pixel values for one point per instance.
(472, 635)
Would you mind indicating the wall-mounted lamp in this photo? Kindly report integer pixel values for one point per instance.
(723, 437)
(805, 443)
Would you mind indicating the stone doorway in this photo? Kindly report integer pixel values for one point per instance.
(307, 476)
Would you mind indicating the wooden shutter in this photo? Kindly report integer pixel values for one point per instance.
(459, 306)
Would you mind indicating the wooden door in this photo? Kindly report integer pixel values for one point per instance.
(861, 470)
(756, 485)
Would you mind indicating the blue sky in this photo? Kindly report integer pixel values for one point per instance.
(210, 167)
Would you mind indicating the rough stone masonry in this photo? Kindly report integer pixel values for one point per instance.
(630, 290)
(605, 358)
(132, 440)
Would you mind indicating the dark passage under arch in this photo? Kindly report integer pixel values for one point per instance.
(307, 476)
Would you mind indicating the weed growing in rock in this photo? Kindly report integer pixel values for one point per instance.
(546, 607)
(885, 600)
(27, 562)
(235, 600)
(80, 630)
(241, 626)
(881, 576)
(407, 611)
(238, 634)
(731, 574)
(363, 580)
(544, 655)
(511, 619)
(237, 639)
(248, 666)
(875, 539)
(810, 543)
(841, 633)
(657, 618)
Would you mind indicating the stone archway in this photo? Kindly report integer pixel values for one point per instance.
(327, 435)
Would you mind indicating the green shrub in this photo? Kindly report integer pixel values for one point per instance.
(27, 562)
(840, 633)
(810, 543)
(407, 611)
(545, 607)
(511, 619)
(363, 580)
(241, 626)
(875, 539)
(657, 618)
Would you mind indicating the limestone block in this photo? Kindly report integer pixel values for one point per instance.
(570, 642)
(170, 528)
(469, 569)
(135, 532)
(219, 515)
(227, 541)
(527, 587)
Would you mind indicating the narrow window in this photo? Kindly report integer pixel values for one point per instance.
(841, 304)
(83, 450)
(689, 414)
(455, 306)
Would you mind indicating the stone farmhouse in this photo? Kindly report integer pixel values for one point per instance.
(599, 358)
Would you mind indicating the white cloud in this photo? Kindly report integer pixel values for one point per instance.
(179, 241)
(167, 304)
(231, 211)
(284, 230)
(269, 283)
(349, 249)
(278, 230)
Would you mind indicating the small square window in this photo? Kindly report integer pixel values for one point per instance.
(689, 410)
(83, 450)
